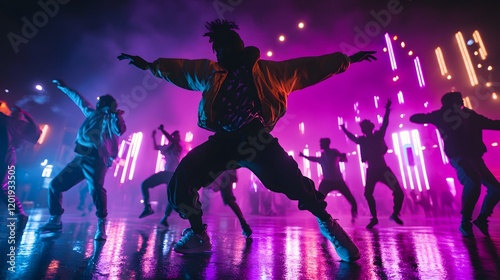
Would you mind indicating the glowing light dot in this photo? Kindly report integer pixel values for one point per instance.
(384, 49)
(435, 146)
(400, 125)
(395, 78)
(426, 104)
(490, 68)
(38, 87)
(281, 38)
(494, 144)
(448, 77)
(6, 90)
(269, 53)
(470, 42)
(402, 115)
(488, 84)
(479, 65)
(395, 38)
(410, 53)
(403, 44)
(476, 53)
(494, 95)
(301, 25)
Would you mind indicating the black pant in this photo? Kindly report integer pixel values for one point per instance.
(162, 177)
(384, 175)
(9, 165)
(254, 149)
(81, 167)
(327, 186)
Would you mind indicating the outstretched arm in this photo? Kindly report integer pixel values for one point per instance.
(385, 122)
(155, 145)
(79, 100)
(298, 73)
(313, 159)
(349, 134)
(32, 131)
(184, 73)
(421, 118)
(487, 123)
(169, 137)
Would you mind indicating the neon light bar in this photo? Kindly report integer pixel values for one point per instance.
(45, 129)
(442, 64)
(340, 121)
(397, 151)
(466, 58)
(120, 154)
(361, 166)
(444, 158)
(380, 119)
(467, 102)
(401, 99)
(482, 49)
(318, 166)
(160, 161)
(307, 166)
(420, 75)
(391, 52)
(376, 99)
(418, 151)
(301, 127)
(127, 159)
(135, 155)
(189, 137)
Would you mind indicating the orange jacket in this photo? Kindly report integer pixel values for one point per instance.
(273, 80)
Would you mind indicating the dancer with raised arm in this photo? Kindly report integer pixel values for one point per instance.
(96, 146)
(243, 97)
(373, 148)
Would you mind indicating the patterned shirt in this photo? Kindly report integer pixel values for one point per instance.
(237, 103)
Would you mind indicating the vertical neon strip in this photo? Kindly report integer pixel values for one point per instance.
(466, 58)
(307, 165)
(451, 185)
(160, 160)
(45, 129)
(376, 98)
(136, 155)
(442, 64)
(418, 151)
(441, 147)
(318, 166)
(361, 166)
(127, 159)
(420, 75)
(479, 40)
(120, 154)
(405, 141)
(291, 153)
(401, 99)
(301, 128)
(397, 151)
(391, 52)
(189, 137)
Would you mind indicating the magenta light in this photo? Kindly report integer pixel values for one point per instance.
(302, 128)
(418, 68)
(401, 99)
(306, 163)
(376, 99)
(135, 155)
(418, 151)
(361, 165)
(391, 52)
(444, 158)
(397, 151)
(127, 159)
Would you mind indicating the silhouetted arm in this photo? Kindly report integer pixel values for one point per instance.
(385, 122)
(169, 137)
(350, 135)
(155, 145)
(421, 118)
(32, 132)
(79, 100)
(313, 159)
(487, 123)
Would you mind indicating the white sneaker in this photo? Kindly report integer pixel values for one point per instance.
(192, 243)
(344, 246)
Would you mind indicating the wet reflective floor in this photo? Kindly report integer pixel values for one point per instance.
(288, 247)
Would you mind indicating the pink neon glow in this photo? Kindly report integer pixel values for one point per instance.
(301, 128)
(318, 166)
(391, 52)
(135, 155)
(420, 75)
(234, 186)
(291, 153)
(401, 99)
(451, 185)
(361, 165)
(340, 121)
(380, 119)
(444, 158)
(418, 152)
(127, 159)
(397, 151)
(376, 99)
(120, 154)
(307, 165)
(405, 142)
(45, 129)
(160, 160)
(189, 137)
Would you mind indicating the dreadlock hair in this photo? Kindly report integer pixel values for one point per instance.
(221, 33)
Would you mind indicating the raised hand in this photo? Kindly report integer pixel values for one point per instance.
(59, 83)
(342, 126)
(153, 133)
(161, 127)
(362, 55)
(135, 60)
(388, 104)
(301, 154)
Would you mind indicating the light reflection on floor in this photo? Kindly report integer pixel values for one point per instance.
(281, 248)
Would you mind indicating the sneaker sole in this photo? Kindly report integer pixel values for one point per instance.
(144, 216)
